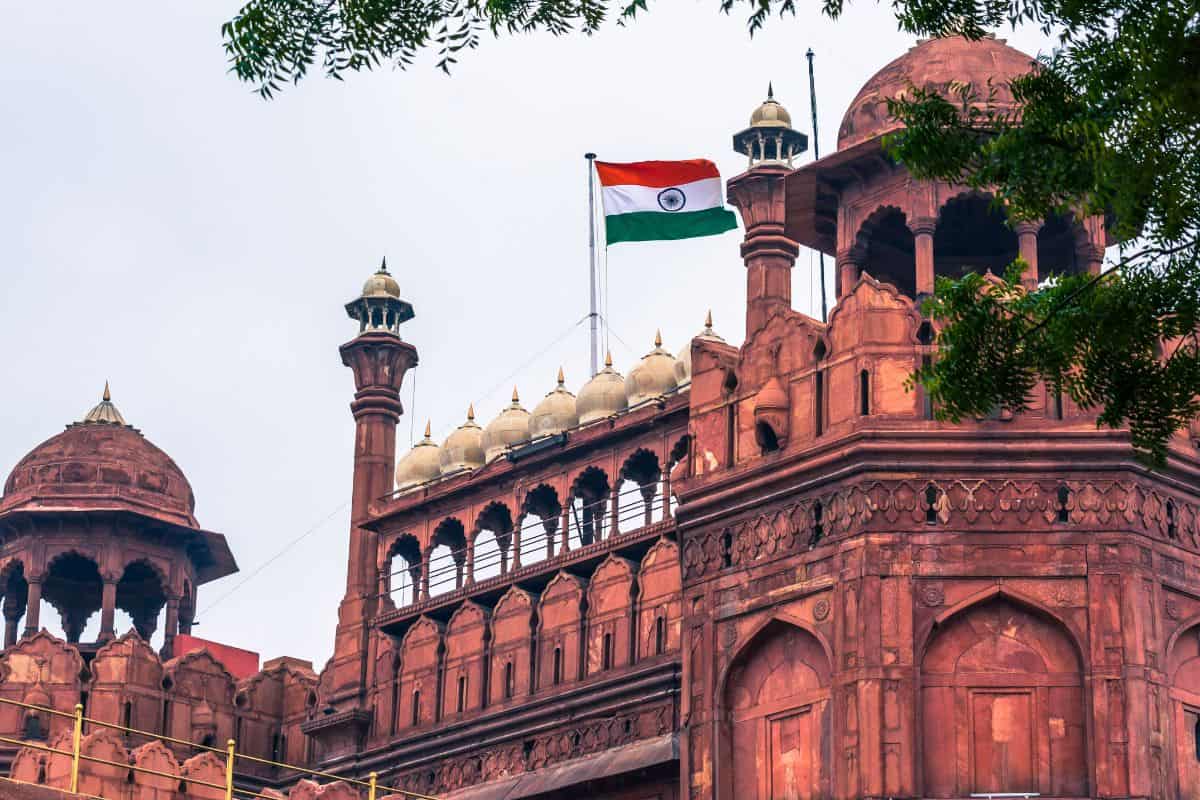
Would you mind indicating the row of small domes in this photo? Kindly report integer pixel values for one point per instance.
(606, 394)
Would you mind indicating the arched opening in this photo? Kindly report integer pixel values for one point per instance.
(556, 676)
(660, 636)
(542, 510)
(972, 235)
(74, 589)
(1058, 244)
(447, 557)
(492, 541)
(509, 682)
(765, 437)
(1183, 672)
(15, 590)
(889, 249)
(1002, 705)
(864, 393)
(606, 655)
(776, 740)
(142, 594)
(640, 476)
(402, 570)
(462, 693)
(589, 506)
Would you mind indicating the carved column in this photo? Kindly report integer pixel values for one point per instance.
(849, 265)
(516, 543)
(648, 489)
(425, 566)
(565, 547)
(614, 513)
(108, 608)
(14, 607)
(768, 254)
(666, 491)
(33, 604)
(471, 556)
(922, 229)
(171, 628)
(1027, 247)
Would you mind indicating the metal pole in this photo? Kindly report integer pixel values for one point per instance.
(591, 157)
(229, 754)
(812, 93)
(371, 791)
(76, 737)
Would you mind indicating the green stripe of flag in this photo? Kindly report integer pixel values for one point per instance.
(645, 226)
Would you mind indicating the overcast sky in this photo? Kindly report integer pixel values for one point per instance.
(164, 228)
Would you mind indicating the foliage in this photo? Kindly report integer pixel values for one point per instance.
(1109, 123)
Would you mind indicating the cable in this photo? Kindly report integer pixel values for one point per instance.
(275, 557)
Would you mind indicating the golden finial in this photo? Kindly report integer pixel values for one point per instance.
(428, 432)
(107, 394)
(770, 90)
(471, 413)
(516, 397)
(561, 378)
(708, 320)
(658, 338)
(608, 358)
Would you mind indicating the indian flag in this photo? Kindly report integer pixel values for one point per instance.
(648, 200)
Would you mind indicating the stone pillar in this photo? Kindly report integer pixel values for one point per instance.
(550, 527)
(425, 567)
(768, 254)
(108, 608)
(922, 229)
(666, 491)
(614, 512)
(471, 556)
(648, 490)
(849, 265)
(516, 543)
(1027, 248)
(33, 605)
(14, 608)
(565, 547)
(1094, 257)
(171, 628)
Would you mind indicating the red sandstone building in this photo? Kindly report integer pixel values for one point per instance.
(744, 572)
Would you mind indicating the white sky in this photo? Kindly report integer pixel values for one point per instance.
(164, 228)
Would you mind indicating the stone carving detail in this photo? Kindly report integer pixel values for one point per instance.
(932, 595)
(1008, 504)
(514, 758)
(821, 610)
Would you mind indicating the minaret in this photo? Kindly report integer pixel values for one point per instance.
(770, 144)
(380, 360)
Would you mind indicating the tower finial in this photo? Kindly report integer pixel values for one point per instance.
(383, 265)
(107, 396)
(471, 412)
(770, 90)
(658, 338)
(428, 431)
(561, 378)
(708, 320)
(608, 358)
(516, 397)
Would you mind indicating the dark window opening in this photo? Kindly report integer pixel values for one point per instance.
(462, 693)
(237, 728)
(416, 708)
(1172, 531)
(727, 549)
(166, 718)
(819, 402)
(864, 393)
(1058, 405)
(1196, 737)
(1064, 497)
(41, 776)
(931, 502)
(925, 334)
(818, 528)
(508, 680)
(33, 726)
(606, 657)
(283, 751)
(556, 677)
(275, 754)
(208, 741)
(764, 434)
(926, 398)
(660, 636)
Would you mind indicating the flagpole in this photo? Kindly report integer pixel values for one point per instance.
(812, 93)
(591, 157)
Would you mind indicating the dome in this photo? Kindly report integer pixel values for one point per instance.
(101, 464)
(683, 362)
(654, 375)
(510, 427)
(463, 449)
(381, 284)
(603, 395)
(556, 413)
(770, 114)
(421, 465)
(933, 63)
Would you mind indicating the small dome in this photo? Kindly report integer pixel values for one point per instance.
(770, 114)
(463, 449)
(421, 465)
(556, 413)
(683, 362)
(510, 427)
(603, 395)
(653, 377)
(381, 284)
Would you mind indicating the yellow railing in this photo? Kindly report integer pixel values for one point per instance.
(229, 752)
